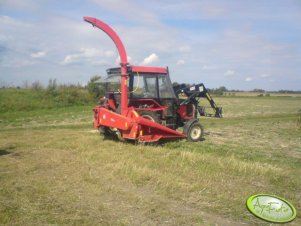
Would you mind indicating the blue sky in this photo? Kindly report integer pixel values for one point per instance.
(239, 44)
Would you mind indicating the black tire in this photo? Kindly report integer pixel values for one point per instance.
(105, 131)
(110, 133)
(119, 136)
(150, 115)
(194, 130)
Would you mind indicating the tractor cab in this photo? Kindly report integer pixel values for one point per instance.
(143, 82)
(150, 93)
(150, 85)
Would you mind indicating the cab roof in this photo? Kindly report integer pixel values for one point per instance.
(139, 69)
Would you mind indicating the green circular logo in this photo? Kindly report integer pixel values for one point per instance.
(271, 208)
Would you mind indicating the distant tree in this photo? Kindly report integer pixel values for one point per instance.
(222, 89)
(175, 84)
(25, 84)
(235, 90)
(219, 91)
(52, 88)
(258, 91)
(37, 86)
(288, 91)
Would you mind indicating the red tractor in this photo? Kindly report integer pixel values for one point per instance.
(140, 103)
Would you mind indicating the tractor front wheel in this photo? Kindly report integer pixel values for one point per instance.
(194, 130)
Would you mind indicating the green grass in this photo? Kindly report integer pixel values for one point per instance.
(55, 169)
(249, 106)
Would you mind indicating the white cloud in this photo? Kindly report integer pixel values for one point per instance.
(265, 75)
(69, 59)
(230, 73)
(117, 61)
(205, 67)
(185, 49)
(39, 54)
(30, 5)
(109, 53)
(248, 79)
(130, 10)
(89, 52)
(209, 67)
(191, 9)
(87, 55)
(18, 63)
(150, 59)
(11, 22)
(101, 63)
(180, 62)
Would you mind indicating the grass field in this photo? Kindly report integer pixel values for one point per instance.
(56, 169)
(257, 94)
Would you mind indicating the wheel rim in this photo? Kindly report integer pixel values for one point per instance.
(195, 132)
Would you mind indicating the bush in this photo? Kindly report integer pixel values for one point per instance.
(70, 95)
(37, 86)
(52, 88)
(66, 95)
(94, 88)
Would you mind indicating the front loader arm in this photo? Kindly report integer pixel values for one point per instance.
(218, 110)
(193, 94)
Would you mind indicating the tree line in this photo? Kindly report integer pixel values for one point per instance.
(70, 92)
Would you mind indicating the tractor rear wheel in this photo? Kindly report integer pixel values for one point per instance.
(108, 132)
(103, 132)
(194, 130)
(150, 115)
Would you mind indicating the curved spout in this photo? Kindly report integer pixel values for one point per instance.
(123, 58)
(112, 34)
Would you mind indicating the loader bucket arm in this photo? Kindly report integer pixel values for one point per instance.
(206, 94)
(123, 58)
(197, 91)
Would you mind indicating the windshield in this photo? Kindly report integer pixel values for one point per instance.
(112, 82)
(151, 86)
